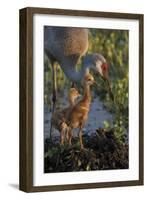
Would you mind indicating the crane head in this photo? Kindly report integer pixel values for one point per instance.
(100, 66)
(105, 76)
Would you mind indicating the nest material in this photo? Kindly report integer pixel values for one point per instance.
(102, 152)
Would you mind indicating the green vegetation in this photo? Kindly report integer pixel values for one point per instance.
(113, 44)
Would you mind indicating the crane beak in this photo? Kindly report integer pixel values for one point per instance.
(110, 89)
(106, 79)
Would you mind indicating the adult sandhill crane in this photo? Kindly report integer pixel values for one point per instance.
(78, 115)
(65, 45)
(59, 116)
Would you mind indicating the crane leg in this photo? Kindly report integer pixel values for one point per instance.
(54, 97)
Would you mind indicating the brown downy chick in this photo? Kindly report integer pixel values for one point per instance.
(59, 117)
(79, 113)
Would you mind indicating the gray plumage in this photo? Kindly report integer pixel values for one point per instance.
(65, 44)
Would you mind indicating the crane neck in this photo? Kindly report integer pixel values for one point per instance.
(73, 74)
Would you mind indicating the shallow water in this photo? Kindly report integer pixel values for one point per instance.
(97, 115)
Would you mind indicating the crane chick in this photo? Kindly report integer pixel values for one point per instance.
(59, 117)
(78, 115)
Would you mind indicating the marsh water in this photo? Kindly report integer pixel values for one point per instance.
(97, 115)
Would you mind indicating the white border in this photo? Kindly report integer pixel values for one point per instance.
(41, 179)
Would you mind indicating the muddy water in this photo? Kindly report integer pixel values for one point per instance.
(97, 115)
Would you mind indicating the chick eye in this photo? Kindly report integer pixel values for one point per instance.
(89, 79)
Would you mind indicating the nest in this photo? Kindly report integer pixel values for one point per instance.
(102, 151)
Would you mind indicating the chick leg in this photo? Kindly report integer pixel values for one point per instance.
(80, 137)
(70, 135)
(62, 136)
